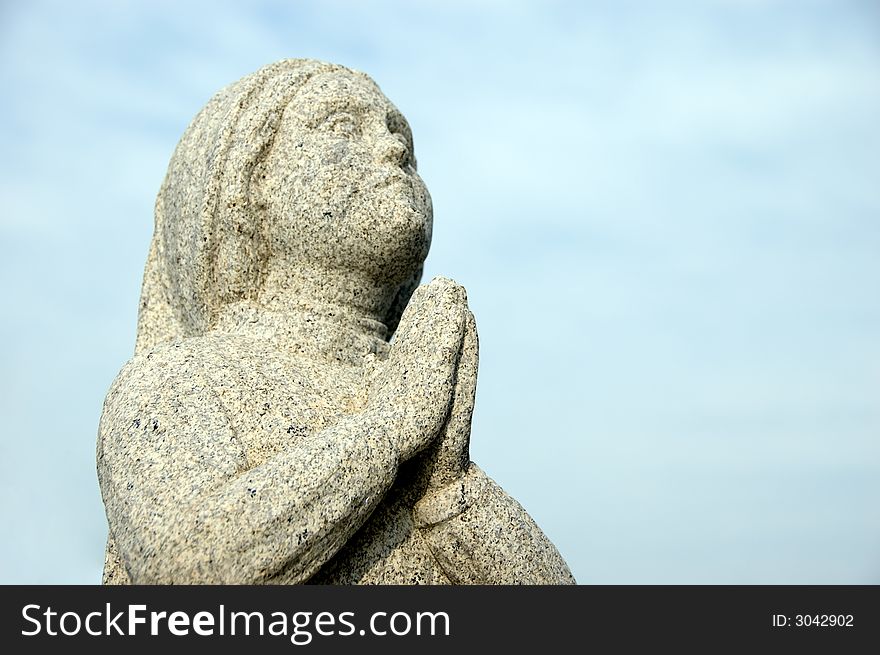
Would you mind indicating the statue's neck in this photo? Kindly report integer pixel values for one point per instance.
(321, 316)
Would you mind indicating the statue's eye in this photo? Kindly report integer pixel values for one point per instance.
(342, 124)
(409, 160)
(398, 126)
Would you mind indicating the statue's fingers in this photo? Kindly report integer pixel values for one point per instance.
(433, 321)
(468, 365)
(425, 364)
(408, 320)
(458, 429)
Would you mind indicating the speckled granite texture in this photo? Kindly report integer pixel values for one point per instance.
(268, 430)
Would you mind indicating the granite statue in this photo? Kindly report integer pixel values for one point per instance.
(268, 428)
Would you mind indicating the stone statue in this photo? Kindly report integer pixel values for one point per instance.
(267, 430)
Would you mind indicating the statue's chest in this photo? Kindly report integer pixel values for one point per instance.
(270, 401)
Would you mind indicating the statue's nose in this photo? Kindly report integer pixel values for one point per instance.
(392, 149)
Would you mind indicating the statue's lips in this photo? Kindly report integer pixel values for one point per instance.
(394, 177)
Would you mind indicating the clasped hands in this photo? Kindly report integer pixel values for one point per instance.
(426, 389)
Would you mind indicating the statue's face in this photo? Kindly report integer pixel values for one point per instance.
(340, 185)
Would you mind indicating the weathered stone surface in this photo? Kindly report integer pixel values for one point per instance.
(267, 430)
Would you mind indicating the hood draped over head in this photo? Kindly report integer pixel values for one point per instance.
(207, 248)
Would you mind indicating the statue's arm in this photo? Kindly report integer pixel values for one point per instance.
(183, 504)
(184, 508)
(480, 535)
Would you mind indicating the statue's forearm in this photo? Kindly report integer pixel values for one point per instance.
(286, 518)
(480, 535)
(279, 521)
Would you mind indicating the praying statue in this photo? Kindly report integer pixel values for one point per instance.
(298, 408)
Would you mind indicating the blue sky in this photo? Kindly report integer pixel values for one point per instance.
(665, 214)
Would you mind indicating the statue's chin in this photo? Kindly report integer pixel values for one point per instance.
(393, 248)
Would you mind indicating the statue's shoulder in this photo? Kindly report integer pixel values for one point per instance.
(201, 374)
(191, 360)
(167, 366)
(174, 378)
(163, 406)
(195, 390)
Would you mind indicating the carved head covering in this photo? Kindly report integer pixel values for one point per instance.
(207, 247)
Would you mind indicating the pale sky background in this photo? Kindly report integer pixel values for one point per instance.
(665, 214)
